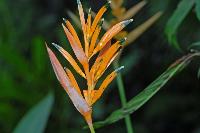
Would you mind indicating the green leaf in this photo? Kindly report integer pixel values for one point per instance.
(194, 46)
(74, 18)
(130, 61)
(13, 58)
(38, 53)
(197, 9)
(198, 73)
(36, 119)
(139, 100)
(175, 21)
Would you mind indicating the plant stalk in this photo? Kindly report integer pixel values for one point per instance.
(91, 129)
(123, 99)
(88, 118)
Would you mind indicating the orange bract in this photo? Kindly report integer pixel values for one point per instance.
(107, 53)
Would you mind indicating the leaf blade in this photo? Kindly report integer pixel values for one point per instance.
(197, 9)
(136, 102)
(175, 21)
(36, 119)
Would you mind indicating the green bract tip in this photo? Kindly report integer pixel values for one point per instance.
(64, 19)
(122, 41)
(108, 4)
(56, 45)
(78, 2)
(119, 69)
(126, 22)
(101, 22)
(89, 11)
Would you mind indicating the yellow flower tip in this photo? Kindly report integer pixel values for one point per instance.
(119, 69)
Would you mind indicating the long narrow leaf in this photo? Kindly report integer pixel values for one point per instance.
(139, 100)
(36, 119)
(75, 18)
(133, 35)
(176, 19)
(197, 9)
(133, 10)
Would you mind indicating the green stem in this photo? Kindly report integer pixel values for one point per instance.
(91, 129)
(123, 98)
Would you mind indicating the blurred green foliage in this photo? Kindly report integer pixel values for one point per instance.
(36, 119)
(174, 22)
(26, 74)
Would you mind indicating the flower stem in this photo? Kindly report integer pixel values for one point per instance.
(88, 118)
(91, 129)
(123, 98)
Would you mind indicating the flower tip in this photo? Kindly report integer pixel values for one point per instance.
(122, 41)
(126, 22)
(46, 44)
(101, 22)
(78, 2)
(64, 19)
(63, 25)
(89, 10)
(131, 20)
(108, 4)
(56, 45)
(119, 69)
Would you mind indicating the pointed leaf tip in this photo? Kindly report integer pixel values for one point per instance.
(119, 69)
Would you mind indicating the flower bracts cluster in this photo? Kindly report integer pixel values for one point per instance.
(107, 52)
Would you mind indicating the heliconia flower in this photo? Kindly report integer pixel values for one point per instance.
(107, 52)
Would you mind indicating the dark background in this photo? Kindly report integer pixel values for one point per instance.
(26, 75)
